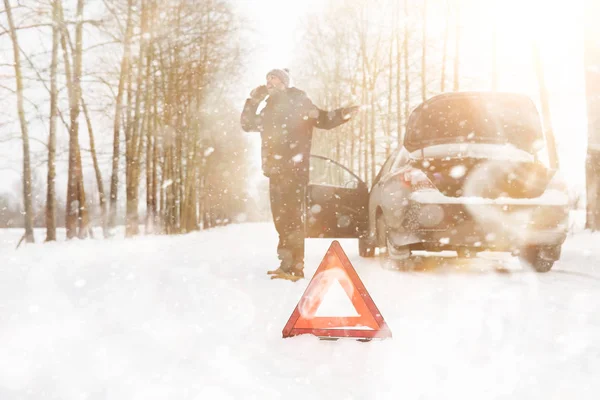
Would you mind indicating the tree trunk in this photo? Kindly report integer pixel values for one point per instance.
(457, 49)
(150, 142)
(372, 134)
(83, 213)
(137, 135)
(545, 103)
(424, 55)
(155, 162)
(445, 51)
(592, 81)
(99, 182)
(74, 184)
(51, 191)
(114, 180)
(365, 120)
(71, 204)
(592, 181)
(388, 142)
(149, 184)
(76, 207)
(398, 77)
(406, 65)
(494, 56)
(130, 135)
(27, 200)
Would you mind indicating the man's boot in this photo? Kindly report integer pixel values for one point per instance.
(298, 269)
(292, 274)
(275, 271)
(286, 261)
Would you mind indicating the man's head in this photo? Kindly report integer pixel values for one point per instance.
(278, 80)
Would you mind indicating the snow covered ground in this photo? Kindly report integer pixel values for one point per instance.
(196, 317)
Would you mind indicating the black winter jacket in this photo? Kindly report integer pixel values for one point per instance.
(286, 125)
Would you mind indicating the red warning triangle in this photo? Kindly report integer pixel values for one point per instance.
(336, 267)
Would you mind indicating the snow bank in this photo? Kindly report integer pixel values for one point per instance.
(196, 317)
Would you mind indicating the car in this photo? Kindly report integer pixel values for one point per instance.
(470, 176)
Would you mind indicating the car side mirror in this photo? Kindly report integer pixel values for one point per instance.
(351, 185)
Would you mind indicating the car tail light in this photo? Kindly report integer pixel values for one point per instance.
(416, 180)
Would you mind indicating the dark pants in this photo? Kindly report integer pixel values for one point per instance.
(287, 192)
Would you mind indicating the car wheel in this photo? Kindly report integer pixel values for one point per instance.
(365, 249)
(397, 258)
(391, 257)
(381, 234)
(540, 258)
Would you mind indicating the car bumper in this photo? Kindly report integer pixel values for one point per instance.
(488, 227)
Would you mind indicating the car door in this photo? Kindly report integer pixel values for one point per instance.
(336, 202)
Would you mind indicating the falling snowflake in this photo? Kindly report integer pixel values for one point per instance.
(458, 171)
(343, 221)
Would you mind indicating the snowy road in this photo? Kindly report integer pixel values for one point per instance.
(195, 317)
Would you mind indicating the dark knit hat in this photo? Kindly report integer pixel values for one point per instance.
(282, 74)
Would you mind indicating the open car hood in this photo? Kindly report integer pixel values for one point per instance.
(488, 151)
(475, 117)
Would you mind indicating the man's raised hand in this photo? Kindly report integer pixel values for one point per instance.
(259, 93)
(350, 112)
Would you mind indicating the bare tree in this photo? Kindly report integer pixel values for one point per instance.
(445, 49)
(406, 63)
(424, 53)
(27, 201)
(170, 107)
(51, 190)
(124, 73)
(545, 103)
(494, 55)
(592, 81)
(398, 72)
(77, 223)
(457, 48)
(96, 165)
(133, 133)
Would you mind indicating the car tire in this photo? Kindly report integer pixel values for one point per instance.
(365, 248)
(540, 258)
(397, 258)
(381, 234)
(391, 257)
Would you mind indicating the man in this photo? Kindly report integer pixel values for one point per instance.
(286, 124)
